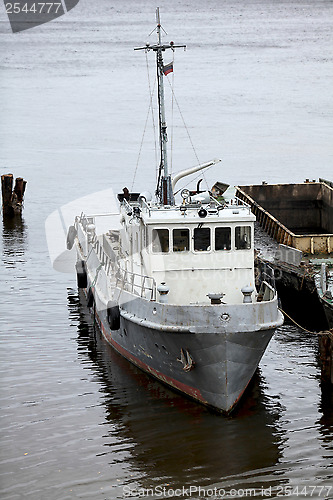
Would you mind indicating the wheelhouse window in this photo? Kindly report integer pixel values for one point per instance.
(223, 238)
(181, 240)
(202, 239)
(243, 237)
(160, 240)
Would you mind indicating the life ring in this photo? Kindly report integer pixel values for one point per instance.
(90, 298)
(113, 315)
(81, 274)
(71, 235)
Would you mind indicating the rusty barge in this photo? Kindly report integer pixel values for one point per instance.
(299, 217)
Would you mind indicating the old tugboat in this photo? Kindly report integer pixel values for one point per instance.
(173, 288)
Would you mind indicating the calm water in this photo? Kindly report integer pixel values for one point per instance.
(254, 86)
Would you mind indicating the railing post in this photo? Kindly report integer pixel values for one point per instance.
(143, 286)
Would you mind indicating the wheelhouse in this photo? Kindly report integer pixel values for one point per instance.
(195, 251)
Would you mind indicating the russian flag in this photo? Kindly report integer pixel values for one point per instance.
(168, 68)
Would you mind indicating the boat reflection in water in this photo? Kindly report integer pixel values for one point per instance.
(169, 438)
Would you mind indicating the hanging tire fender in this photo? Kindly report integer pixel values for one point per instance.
(90, 298)
(71, 235)
(81, 274)
(113, 315)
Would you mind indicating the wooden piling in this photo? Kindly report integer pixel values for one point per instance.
(12, 199)
(325, 342)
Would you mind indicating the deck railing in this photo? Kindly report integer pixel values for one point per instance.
(143, 286)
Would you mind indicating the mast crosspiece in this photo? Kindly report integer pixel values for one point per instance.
(164, 185)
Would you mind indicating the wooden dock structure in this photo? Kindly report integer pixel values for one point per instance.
(326, 357)
(12, 199)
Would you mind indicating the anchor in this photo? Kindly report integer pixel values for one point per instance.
(187, 360)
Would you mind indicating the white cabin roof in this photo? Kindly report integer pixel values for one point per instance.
(173, 215)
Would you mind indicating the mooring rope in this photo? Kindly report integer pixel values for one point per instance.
(326, 332)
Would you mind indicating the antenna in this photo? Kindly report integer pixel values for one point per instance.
(164, 186)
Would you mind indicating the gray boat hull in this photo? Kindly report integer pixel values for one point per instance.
(223, 361)
(204, 350)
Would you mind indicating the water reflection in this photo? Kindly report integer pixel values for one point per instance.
(326, 420)
(166, 438)
(14, 240)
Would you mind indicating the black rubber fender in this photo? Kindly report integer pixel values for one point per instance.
(81, 274)
(71, 235)
(90, 298)
(113, 315)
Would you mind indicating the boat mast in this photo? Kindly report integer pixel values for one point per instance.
(164, 185)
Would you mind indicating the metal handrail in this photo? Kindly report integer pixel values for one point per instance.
(144, 203)
(267, 291)
(242, 202)
(127, 205)
(84, 220)
(267, 274)
(128, 278)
